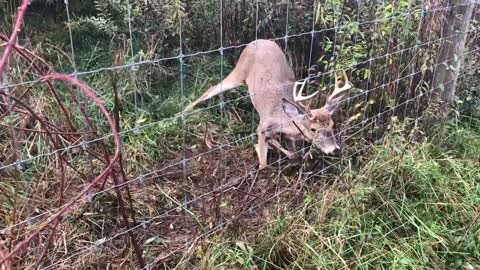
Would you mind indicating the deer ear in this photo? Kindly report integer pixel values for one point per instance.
(292, 110)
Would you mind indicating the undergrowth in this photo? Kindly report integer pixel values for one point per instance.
(413, 205)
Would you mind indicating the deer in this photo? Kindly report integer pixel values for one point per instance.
(278, 99)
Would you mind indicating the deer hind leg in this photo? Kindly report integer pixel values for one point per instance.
(230, 82)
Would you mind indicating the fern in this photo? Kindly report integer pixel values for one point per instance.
(111, 18)
(94, 25)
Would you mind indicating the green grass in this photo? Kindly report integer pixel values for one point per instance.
(413, 205)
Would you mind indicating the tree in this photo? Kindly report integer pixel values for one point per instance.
(450, 56)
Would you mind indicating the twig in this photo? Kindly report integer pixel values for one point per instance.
(13, 37)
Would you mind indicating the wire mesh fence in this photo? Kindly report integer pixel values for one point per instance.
(102, 168)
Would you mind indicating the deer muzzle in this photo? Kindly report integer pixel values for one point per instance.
(326, 142)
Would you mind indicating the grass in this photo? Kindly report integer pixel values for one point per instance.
(412, 205)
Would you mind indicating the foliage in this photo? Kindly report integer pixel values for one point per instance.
(412, 205)
(95, 25)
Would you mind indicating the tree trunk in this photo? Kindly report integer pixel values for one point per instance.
(450, 57)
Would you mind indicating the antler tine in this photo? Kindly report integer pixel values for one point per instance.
(298, 96)
(346, 86)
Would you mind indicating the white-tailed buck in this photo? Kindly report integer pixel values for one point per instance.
(273, 92)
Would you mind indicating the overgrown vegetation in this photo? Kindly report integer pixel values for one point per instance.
(412, 205)
(397, 198)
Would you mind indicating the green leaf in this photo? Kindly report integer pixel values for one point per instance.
(308, 200)
(366, 74)
(441, 87)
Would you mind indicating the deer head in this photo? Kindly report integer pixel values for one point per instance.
(317, 124)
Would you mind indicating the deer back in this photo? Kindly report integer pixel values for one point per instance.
(269, 77)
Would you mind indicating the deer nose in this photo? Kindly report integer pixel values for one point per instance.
(337, 151)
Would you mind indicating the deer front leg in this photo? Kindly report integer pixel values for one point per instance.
(261, 149)
(277, 145)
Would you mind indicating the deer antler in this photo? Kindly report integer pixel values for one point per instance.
(298, 96)
(346, 86)
(339, 93)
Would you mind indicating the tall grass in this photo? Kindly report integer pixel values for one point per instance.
(413, 205)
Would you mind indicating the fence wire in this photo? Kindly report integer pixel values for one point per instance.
(66, 150)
